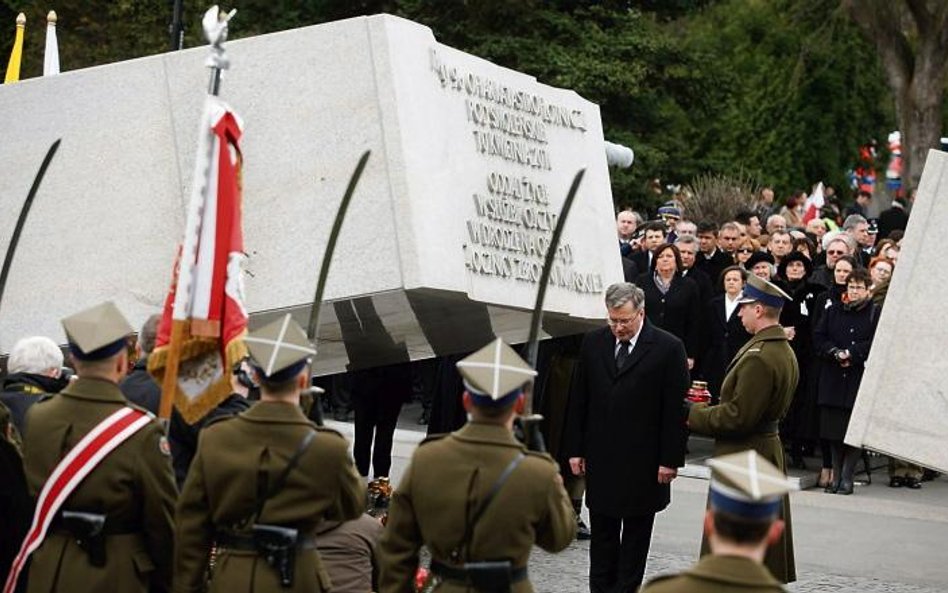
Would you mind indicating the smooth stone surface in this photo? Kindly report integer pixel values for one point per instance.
(111, 208)
(902, 407)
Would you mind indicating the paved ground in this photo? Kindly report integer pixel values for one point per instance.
(878, 540)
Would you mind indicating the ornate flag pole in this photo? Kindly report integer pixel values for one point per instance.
(205, 262)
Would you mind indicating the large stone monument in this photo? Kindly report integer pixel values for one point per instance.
(445, 237)
(902, 407)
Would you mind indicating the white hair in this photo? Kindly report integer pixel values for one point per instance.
(36, 354)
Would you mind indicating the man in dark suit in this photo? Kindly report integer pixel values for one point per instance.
(711, 260)
(626, 435)
(894, 218)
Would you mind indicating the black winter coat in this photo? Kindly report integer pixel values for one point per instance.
(843, 327)
(678, 311)
(727, 336)
(628, 422)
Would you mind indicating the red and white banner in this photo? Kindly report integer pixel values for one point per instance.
(75, 466)
(205, 305)
(813, 204)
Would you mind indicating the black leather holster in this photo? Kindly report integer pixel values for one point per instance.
(277, 545)
(88, 531)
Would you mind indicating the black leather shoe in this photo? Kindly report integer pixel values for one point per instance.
(912, 483)
(845, 489)
(896, 482)
(582, 530)
(831, 489)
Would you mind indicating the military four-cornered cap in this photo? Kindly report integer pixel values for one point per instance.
(758, 289)
(747, 485)
(495, 374)
(279, 350)
(97, 333)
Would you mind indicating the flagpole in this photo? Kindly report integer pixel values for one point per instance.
(215, 30)
(16, 55)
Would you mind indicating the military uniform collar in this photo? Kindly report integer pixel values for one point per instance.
(281, 412)
(484, 432)
(774, 332)
(734, 570)
(100, 390)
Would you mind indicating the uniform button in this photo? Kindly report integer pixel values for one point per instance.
(851, 330)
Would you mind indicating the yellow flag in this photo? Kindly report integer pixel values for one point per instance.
(13, 67)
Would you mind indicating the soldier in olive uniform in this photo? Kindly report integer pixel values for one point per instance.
(477, 498)
(755, 396)
(263, 480)
(740, 524)
(132, 488)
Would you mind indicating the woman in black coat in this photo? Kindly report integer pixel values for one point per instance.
(671, 301)
(842, 340)
(726, 333)
(801, 427)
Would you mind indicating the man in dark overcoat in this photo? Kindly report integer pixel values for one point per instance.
(625, 434)
(755, 396)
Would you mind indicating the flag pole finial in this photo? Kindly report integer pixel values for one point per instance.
(51, 17)
(215, 30)
(21, 20)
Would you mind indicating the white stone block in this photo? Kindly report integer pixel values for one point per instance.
(111, 209)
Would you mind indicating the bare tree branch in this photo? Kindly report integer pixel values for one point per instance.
(921, 15)
(880, 24)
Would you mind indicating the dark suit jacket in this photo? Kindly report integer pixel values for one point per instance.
(678, 311)
(628, 422)
(892, 219)
(642, 260)
(629, 270)
(713, 267)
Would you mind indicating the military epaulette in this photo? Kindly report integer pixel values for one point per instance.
(661, 577)
(331, 431)
(433, 437)
(221, 418)
(141, 409)
(752, 350)
(541, 454)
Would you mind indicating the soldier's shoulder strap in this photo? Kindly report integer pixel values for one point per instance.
(540, 455)
(433, 437)
(327, 430)
(219, 419)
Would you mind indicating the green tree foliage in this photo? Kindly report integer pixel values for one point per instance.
(784, 90)
(804, 90)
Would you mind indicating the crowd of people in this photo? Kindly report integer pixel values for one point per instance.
(835, 266)
(772, 299)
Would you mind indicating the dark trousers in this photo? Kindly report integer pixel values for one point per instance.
(376, 413)
(618, 551)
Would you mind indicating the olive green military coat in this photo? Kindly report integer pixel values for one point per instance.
(220, 493)
(757, 390)
(442, 489)
(133, 486)
(718, 574)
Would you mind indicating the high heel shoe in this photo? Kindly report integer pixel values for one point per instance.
(826, 478)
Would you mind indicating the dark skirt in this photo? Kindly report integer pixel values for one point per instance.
(834, 422)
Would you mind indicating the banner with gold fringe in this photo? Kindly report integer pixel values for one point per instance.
(200, 336)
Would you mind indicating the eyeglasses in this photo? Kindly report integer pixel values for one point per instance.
(856, 288)
(745, 250)
(622, 322)
(834, 252)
